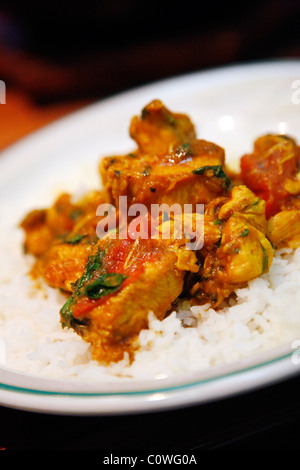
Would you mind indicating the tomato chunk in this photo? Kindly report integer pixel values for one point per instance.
(269, 168)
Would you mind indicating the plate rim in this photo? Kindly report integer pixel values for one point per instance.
(110, 405)
(14, 380)
(166, 401)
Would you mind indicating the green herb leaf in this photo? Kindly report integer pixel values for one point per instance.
(105, 284)
(75, 239)
(256, 202)
(244, 233)
(147, 170)
(93, 263)
(66, 311)
(144, 113)
(217, 171)
(184, 150)
(265, 262)
(76, 213)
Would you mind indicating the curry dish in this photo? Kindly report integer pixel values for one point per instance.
(112, 283)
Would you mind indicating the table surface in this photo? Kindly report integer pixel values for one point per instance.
(268, 418)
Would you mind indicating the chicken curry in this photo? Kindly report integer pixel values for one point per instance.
(112, 283)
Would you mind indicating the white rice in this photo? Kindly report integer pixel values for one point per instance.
(265, 315)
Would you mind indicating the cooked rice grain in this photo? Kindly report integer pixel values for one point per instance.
(265, 315)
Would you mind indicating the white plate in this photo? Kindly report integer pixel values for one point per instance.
(229, 106)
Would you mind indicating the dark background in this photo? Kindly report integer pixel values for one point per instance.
(67, 52)
(64, 50)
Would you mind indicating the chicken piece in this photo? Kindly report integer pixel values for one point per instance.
(272, 172)
(170, 164)
(240, 253)
(158, 131)
(243, 201)
(38, 236)
(64, 261)
(283, 229)
(123, 281)
(63, 264)
(61, 238)
(44, 226)
(192, 174)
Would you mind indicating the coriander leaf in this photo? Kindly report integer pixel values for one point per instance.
(217, 171)
(184, 150)
(244, 233)
(75, 239)
(66, 311)
(105, 284)
(265, 259)
(93, 263)
(76, 213)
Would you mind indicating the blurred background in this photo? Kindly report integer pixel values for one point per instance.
(58, 56)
